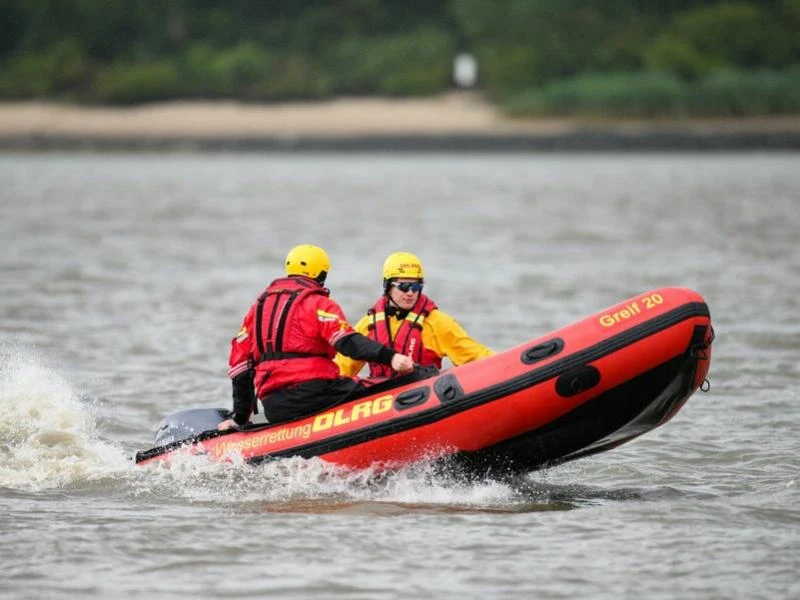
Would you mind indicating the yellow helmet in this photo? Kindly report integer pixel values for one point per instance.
(308, 260)
(402, 264)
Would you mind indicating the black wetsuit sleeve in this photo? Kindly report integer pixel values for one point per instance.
(360, 347)
(243, 397)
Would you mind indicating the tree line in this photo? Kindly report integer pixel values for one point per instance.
(535, 57)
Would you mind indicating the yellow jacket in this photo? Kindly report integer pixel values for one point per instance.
(441, 333)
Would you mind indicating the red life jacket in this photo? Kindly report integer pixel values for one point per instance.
(408, 339)
(285, 355)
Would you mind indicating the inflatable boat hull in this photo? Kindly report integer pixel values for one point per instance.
(580, 390)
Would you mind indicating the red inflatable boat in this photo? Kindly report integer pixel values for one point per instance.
(583, 389)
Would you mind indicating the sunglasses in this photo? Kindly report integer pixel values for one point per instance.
(408, 286)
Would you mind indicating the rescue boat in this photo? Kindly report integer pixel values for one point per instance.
(583, 389)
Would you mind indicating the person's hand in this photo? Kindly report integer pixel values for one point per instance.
(227, 424)
(402, 363)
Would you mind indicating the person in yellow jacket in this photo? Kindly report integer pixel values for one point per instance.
(409, 322)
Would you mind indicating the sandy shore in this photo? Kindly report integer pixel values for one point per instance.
(458, 120)
(354, 116)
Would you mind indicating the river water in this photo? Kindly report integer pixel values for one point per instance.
(125, 276)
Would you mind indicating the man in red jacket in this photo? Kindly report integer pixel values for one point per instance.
(283, 354)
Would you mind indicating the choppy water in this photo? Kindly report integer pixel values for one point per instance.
(124, 277)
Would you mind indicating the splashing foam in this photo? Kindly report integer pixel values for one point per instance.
(312, 485)
(48, 437)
